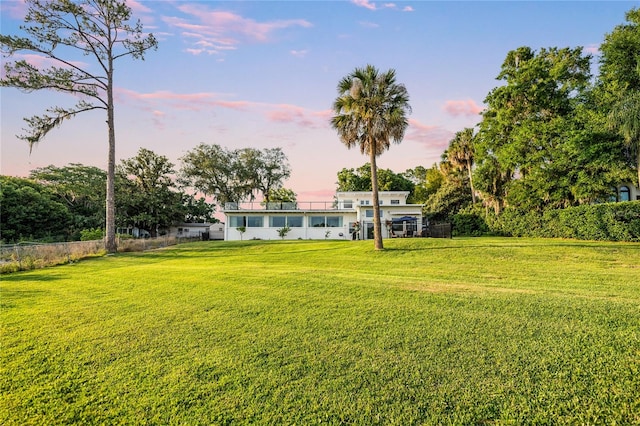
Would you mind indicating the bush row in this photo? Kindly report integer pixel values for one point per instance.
(604, 222)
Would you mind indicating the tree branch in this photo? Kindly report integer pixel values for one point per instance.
(41, 125)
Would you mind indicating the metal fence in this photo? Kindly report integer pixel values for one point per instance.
(26, 256)
(439, 230)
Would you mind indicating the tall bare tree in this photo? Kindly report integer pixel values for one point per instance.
(371, 112)
(61, 31)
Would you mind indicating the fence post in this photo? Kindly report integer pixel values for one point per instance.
(17, 250)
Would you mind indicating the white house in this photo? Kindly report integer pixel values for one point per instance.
(349, 216)
(214, 231)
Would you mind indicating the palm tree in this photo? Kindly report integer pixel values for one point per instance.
(461, 155)
(625, 117)
(371, 112)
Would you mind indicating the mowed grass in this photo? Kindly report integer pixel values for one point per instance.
(462, 331)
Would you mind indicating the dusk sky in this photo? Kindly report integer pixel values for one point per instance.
(263, 74)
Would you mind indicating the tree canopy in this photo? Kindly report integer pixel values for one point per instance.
(81, 189)
(30, 211)
(149, 198)
(360, 180)
(620, 82)
(232, 176)
(532, 135)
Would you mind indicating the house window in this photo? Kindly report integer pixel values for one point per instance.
(237, 221)
(395, 201)
(325, 221)
(277, 221)
(294, 221)
(347, 204)
(282, 221)
(364, 202)
(625, 193)
(334, 221)
(316, 222)
(369, 213)
(248, 221)
(255, 221)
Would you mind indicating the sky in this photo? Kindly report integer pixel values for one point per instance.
(264, 74)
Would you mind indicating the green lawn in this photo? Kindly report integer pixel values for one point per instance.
(462, 331)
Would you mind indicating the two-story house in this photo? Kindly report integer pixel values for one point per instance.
(349, 216)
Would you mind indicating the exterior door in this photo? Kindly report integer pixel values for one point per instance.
(368, 233)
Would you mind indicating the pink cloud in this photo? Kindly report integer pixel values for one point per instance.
(408, 9)
(137, 7)
(158, 119)
(224, 30)
(299, 116)
(593, 49)
(299, 53)
(433, 138)
(465, 107)
(15, 9)
(364, 3)
(237, 105)
(154, 102)
(183, 101)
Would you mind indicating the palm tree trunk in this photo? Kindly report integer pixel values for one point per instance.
(473, 191)
(377, 230)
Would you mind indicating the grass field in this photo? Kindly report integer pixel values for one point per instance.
(462, 331)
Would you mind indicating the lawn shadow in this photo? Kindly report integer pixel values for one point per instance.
(26, 276)
(11, 298)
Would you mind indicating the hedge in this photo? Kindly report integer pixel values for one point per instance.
(604, 222)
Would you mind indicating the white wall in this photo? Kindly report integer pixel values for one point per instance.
(305, 233)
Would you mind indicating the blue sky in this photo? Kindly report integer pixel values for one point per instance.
(263, 74)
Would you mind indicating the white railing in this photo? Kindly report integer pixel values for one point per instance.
(288, 206)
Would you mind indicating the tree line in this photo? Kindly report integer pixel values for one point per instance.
(552, 135)
(67, 203)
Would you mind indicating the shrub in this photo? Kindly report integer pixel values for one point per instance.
(91, 234)
(282, 232)
(604, 222)
(470, 222)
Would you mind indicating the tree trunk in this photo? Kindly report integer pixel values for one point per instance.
(110, 244)
(473, 191)
(638, 163)
(377, 226)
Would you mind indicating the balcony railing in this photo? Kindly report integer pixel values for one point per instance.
(299, 205)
